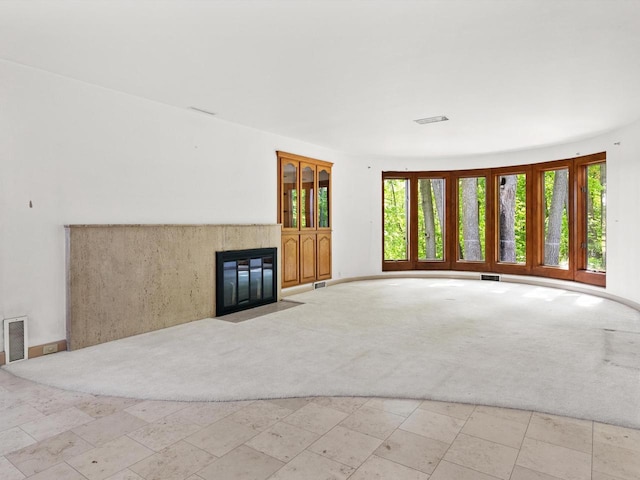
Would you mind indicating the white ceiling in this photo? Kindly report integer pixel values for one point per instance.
(353, 75)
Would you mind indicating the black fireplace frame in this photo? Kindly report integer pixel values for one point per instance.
(238, 256)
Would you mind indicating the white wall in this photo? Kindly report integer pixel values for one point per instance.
(83, 154)
(364, 250)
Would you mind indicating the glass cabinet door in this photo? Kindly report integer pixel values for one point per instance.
(290, 195)
(324, 177)
(307, 197)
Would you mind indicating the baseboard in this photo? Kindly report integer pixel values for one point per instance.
(461, 275)
(38, 350)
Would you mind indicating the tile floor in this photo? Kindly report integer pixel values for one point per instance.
(49, 434)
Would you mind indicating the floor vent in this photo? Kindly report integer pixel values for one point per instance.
(15, 339)
(493, 278)
(318, 285)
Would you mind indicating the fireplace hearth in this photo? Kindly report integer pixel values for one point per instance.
(245, 279)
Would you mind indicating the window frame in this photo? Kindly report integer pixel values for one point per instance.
(535, 217)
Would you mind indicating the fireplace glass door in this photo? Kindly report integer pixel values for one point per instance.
(245, 279)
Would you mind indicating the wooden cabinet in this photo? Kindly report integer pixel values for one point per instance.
(304, 211)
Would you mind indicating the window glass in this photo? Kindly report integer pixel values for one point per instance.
(471, 218)
(431, 217)
(512, 218)
(596, 217)
(396, 211)
(555, 184)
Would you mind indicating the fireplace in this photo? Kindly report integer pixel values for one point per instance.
(245, 279)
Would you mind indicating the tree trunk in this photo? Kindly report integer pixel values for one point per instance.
(470, 225)
(437, 184)
(507, 249)
(559, 200)
(429, 222)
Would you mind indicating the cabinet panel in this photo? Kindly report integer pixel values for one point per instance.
(324, 256)
(307, 258)
(290, 255)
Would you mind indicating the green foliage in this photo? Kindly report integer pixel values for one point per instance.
(521, 218)
(395, 219)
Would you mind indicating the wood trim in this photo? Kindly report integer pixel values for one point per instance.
(38, 350)
(300, 158)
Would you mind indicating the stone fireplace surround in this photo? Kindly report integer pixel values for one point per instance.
(124, 280)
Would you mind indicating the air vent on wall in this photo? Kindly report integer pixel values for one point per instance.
(15, 339)
(493, 278)
(318, 285)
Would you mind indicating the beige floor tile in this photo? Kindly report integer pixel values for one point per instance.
(61, 471)
(51, 400)
(554, 460)
(103, 430)
(433, 425)
(173, 463)
(316, 418)
(243, 463)
(222, 437)
(14, 439)
(102, 462)
(9, 399)
(206, 413)
(495, 429)
(603, 476)
(163, 433)
(521, 473)
(152, 410)
(616, 461)
(457, 410)
(9, 471)
(566, 432)
(283, 441)
(374, 422)
(343, 404)
(126, 474)
(482, 455)
(398, 406)
(291, 403)
(99, 407)
(451, 471)
(42, 455)
(412, 450)
(346, 446)
(260, 415)
(56, 423)
(616, 436)
(521, 416)
(310, 466)
(381, 469)
(17, 415)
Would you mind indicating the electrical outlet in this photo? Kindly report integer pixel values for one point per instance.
(51, 348)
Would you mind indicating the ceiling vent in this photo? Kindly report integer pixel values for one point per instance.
(206, 112)
(439, 118)
(15, 339)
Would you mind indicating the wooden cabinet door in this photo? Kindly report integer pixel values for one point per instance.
(324, 256)
(307, 257)
(290, 256)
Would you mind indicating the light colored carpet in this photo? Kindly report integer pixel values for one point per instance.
(468, 341)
